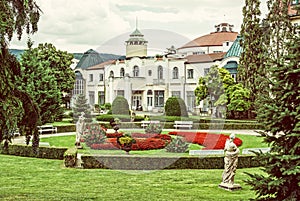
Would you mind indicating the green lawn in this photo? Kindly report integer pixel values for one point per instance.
(43, 179)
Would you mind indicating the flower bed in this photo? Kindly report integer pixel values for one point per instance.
(141, 144)
(209, 140)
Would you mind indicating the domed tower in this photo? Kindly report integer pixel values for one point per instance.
(136, 45)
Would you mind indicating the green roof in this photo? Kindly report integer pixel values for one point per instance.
(235, 49)
(231, 66)
(136, 33)
(90, 58)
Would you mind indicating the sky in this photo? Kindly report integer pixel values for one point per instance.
(76, 26)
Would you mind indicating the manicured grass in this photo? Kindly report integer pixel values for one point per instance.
(60, 141)
(44, 179)
(250, 141)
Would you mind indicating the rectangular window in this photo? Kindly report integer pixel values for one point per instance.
(159, 98)
(149, 101)
(206, 70)
(101, 77)
(79, 87)
(120, 93)
(91, 78)
(191, 100)
(176, 94)
(101, 97)
(92, 97)
(190, 73)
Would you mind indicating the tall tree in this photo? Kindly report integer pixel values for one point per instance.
(252, 56)
(279, 111)
(45, 76)
(15, 16)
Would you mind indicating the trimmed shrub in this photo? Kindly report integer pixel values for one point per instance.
(42, 152)
(120, 106)
(70, 157)
(64, 129)
(176, 107)
(156, 163)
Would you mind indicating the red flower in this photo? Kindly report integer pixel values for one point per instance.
(209, 140)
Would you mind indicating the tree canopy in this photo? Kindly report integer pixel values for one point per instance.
(46, 74)
(251, 60)
(223, 93)
(279, 109)
(15, 16)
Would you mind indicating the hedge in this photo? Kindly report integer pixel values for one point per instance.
(65, 129)
(169, 125)
(153, 163)
(27, 151)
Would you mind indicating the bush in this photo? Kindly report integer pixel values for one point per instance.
(70, 157)
(120, 106)
(107, 106)
(177, 145)
(153, 128)
(94, 134)
(176, 107)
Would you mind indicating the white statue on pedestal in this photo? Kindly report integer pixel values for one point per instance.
(80, 125)
(230, 164)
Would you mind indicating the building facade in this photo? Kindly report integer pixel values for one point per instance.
(148, 81)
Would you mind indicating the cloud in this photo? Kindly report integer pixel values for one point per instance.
(77, 26)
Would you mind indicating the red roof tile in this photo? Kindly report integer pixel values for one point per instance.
(212, 39)
(101, 65)
(205, 57)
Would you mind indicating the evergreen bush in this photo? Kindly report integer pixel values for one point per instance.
(176, 107)
(80, 106)
(177, 145)
(120, 106)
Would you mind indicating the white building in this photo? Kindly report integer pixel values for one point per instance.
(147, 82)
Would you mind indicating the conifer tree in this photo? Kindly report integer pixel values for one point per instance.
(80, 106)
(251, 58)
(279, 111)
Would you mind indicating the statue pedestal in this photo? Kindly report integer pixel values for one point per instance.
(230, 187)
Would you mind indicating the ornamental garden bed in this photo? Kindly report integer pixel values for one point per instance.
(208, 140)
(96, 140)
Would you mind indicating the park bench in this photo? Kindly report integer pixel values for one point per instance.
(145, 123)
(207, 152)
(183, 124)
(16, 132)
(47, 129)
(250, 150)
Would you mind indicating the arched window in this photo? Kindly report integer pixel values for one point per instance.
(160, 72)
(111, 73)
(135, 71)
(122, 72)
(175, 73)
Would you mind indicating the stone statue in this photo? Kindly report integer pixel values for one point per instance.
(230, 165)
(80, 125)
